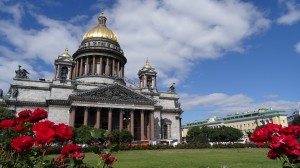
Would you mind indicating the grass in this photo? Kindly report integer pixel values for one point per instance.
(191, 158)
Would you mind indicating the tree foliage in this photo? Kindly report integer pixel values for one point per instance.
(296, 121)
(6, 114)
(206, 134)
(123, 136)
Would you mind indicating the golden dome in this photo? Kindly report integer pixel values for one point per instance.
(147, 65)
(101, 30)
(65, 53)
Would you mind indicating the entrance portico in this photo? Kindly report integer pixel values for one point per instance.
(114, 108)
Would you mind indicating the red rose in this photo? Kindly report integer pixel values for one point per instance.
(63, 132)
(292, 150)
(105, 156)
(274, 143)
(260, 136)
(6, 124)
(20, 128)
(68, 149)
(22, 143)
(78, 155)
(61, 158)
(108, 159)
(38, 114)
(273, 154)
(42, 125)
(291, 130)
(25, 114)
(112, 160)
(45, 135)
(274, 127)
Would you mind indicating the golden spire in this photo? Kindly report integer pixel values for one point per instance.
(147, 64)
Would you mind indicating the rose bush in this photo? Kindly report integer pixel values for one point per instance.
(283, 142)
(26, 140)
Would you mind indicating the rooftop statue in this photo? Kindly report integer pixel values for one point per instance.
(172, 88)
(21, 73)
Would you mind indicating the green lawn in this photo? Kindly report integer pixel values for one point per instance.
(188, 158)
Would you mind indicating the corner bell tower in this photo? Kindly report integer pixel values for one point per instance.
(147, 76)
(63, 66)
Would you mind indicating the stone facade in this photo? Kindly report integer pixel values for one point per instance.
(89, 89)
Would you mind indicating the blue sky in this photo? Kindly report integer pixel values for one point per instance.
(225, 57)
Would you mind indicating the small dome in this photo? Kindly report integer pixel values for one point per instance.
(147, 65)
(101, 30)
(65, 53)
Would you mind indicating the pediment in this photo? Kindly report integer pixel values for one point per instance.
(115, 93)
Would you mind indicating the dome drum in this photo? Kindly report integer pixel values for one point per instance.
(101, 44)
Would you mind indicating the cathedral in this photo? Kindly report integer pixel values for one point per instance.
(89, 89)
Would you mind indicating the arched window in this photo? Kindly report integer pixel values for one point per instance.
(63, 73)
(149, 81)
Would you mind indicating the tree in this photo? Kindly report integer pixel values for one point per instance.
(6, 114)
(226, 134)
(123, 136)
(296, 121)
(196, 135)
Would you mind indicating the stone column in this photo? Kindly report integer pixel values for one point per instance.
(69, 73)
(142, 125)
(132, 122)
(93, 67)
(77, 67)
(153, 82)
(72, 117)
(100, 69)
(81, 67)
(113, 67)
(109, 119)
(148, 126)
(121, 71)
(142, 82)
(107, 68)
(98, 118)
(121, 119)
(58, 71)
(145, 81)
(118, 70)
(152, 124)
(86, 66)
(86, 116)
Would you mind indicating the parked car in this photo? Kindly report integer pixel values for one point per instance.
(170, 142)
(139, 143)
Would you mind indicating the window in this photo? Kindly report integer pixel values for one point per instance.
(165, 131)
(149, 81)
(64, 73)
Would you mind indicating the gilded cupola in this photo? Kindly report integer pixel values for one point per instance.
(101, 30)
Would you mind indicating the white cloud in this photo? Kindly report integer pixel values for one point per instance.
(174, 35)
(297, 47)
(222, 104)
(292, 15)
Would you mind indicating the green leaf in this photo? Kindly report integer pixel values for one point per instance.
(96, 133)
